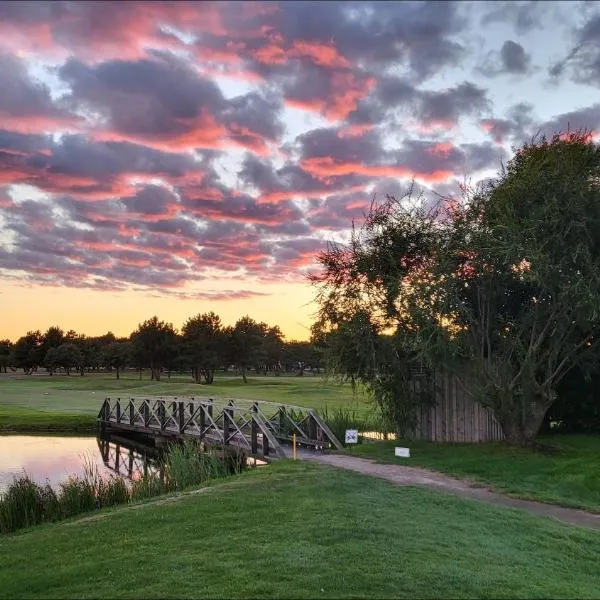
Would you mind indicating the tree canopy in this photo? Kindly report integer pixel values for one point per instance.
(501, 286)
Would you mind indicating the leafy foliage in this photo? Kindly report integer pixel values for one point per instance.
(203, 339)
(153, 344)
(502, 288)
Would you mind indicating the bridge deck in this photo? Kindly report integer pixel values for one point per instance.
(259, 429)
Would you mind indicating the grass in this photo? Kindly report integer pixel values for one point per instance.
(26, 503)
(39, 400)
(569, 475)
(16, 418)
(296, 530)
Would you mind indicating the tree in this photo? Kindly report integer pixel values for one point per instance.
(502, 289)
(51, 360)
(300, 356)
(153, 343)
(67, 356)
(53, 338)
(272, 348)
(117, 355)
(6, 354)
(28, 351)
(246, 338)
(203, 342)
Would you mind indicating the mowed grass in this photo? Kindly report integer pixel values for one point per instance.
(25, 399)
(295, 530)
(568, 475)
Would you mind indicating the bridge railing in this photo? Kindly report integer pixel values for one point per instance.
(259, 429)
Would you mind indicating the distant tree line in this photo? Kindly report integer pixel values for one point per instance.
(203, 347)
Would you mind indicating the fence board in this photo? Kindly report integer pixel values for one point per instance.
(456, 417)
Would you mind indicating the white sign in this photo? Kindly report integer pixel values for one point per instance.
(403, 452)
(351, 436)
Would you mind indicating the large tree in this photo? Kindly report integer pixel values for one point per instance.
(154, 342)
(245, 343)
(117, 355)
(28, 351)
(66, 356)
(503, 288)
(204, 345)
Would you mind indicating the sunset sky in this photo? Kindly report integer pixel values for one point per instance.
(171, 158)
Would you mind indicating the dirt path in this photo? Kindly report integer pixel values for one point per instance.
(412, 476)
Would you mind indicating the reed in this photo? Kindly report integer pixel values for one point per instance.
(187, 464)
(27, 503)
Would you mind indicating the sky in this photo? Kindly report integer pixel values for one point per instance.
(173, 158)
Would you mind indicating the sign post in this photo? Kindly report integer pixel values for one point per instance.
(351, 436)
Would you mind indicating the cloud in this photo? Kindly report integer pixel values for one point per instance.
(512, 60)
(162, 102)
(524, 17)
(516, 127)
(26, 106)
(156, 146)
(583, 61)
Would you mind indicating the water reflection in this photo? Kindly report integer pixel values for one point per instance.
(54, 458)
(377, 435)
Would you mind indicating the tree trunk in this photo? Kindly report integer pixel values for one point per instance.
(244, 375)
(198, 374)
(117, 372)
(140, 373)
(521, 428)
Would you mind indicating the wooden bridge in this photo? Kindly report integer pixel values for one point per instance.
(260, 430)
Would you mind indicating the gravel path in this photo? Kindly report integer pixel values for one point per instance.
(413, 476)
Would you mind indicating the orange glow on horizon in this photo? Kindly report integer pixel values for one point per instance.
(289, 305)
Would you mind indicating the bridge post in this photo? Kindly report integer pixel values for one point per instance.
(118, 410)
(254, 433)
(131, 412)
(181, 413)
(202, 418)
(161, 414)
(227, 414)
(146, 413)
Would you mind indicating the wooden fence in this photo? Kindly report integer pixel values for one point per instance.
(455, 417)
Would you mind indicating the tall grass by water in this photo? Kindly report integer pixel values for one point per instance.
(27, 503)
(341, 419)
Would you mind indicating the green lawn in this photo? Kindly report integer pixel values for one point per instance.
(25, 398)
(294, 530)
(570, 475)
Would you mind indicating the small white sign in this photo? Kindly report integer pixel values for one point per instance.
(351, 436)
(403, 452)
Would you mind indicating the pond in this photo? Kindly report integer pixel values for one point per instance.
(53, 458)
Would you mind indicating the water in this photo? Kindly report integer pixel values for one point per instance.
(53, 458)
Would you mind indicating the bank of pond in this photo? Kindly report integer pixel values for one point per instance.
(103, 472)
